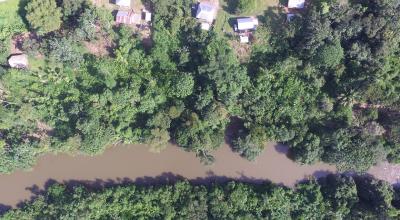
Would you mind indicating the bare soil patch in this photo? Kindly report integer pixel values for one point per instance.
(100, 47)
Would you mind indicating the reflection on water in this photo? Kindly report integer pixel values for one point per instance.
(136, 163)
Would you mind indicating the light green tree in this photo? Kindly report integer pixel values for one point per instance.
(43, 16)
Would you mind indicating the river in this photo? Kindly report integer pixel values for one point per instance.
(136, 163)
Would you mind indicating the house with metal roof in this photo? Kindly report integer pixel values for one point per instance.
(246, 24)
(206, 12)
(123, 3)
(127, 17)
(299, 4)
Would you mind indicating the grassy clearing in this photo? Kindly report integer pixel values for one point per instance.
(11, 24)
(10, 21)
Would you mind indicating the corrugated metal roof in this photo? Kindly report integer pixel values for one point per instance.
(296, 3)
(206, 12)
(246, 24)
(123, 2)
(122, 13)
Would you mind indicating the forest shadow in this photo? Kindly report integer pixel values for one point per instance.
(318, 175)
(282, 149)
(4, 208)
(233, 131)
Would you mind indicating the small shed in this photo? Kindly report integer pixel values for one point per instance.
(123, 3)
(206, 12)
(244, 39)
(245, 24)
(205, 26)
(299, 4)
(18, 61)
(147, 16)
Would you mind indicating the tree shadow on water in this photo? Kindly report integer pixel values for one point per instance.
(4, 208)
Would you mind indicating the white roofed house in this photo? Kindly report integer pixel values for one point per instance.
(206, 13)
(123, 3)
(246, 24)
(298, 4)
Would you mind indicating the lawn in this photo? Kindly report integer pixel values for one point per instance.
(10, 24)
(10, 21)
(255, 7)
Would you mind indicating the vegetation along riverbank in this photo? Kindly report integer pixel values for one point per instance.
(320, 76)
(325, 83)
(333, 197)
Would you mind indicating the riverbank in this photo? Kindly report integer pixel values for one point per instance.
(136, 164)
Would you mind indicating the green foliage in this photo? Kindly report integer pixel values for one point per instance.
(181, 86)
(94, 22)
(39, 18)
(10, 21)
(326, 84)
(351, 150)
(10, 24)
(64, 50)
(71, 9)
(342, 198)
(330, 55)
(248, 147)
(246, 6)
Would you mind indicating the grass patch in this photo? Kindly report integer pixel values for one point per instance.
(11, 22)
(250, 8)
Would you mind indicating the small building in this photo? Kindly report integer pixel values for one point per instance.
(146, 15)
(123, 3)
(127, 17)
(124, 17)
(244, 39)
(206, 12)
(298, 4)
(18, 61)
(246, 24)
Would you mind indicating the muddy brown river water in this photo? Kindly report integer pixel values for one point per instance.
(136, 163)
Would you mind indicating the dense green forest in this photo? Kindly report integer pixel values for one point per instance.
(334, 197)
(326, 84)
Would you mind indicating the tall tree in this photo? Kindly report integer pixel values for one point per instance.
(43, 15)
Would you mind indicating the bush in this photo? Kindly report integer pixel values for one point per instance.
(329, 55)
